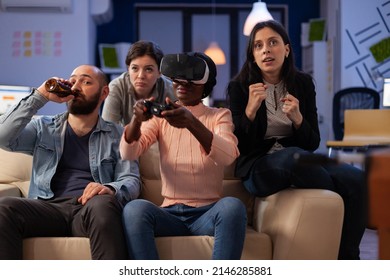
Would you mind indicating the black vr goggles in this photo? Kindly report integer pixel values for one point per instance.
(185, 68)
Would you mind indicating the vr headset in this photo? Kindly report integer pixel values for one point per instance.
(185, 68)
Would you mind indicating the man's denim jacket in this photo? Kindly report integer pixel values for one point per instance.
(43, 137)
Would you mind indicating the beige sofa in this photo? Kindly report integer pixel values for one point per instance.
(292, 224)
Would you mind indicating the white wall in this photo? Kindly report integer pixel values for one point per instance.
(38, 45)
(354, 26)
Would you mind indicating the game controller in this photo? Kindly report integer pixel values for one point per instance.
(155, 108)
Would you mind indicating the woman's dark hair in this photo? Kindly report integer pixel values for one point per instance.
(141, 48)
(211, 81)
(250, 73)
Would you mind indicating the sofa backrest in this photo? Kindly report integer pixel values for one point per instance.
(15, 167)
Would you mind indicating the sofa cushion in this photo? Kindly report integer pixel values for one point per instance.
(257, 246)
(11, 168)
(56, 248)
(9, 190)
(151, 190)
(149, 163)
(23, 187)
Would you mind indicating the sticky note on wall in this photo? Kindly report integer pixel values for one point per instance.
(381, 50)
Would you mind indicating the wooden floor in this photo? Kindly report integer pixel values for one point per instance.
(369, 245)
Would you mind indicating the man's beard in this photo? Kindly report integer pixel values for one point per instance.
(79, 106)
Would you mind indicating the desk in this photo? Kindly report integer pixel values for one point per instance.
(364, 130)
(378, 172)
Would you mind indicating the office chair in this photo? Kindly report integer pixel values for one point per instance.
(351, 98)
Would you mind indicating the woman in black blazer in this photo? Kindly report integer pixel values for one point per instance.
(275, 116)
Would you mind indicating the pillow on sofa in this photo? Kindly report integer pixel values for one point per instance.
(14, 167)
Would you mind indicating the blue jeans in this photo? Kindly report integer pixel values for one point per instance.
(274, 172)
(225, 220)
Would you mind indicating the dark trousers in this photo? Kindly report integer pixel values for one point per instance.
(280, 170)
(100, 220)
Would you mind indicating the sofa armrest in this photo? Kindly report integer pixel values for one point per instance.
(302, 223)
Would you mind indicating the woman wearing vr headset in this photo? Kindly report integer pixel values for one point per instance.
(142, 80)
(275, 117)
(196, 142)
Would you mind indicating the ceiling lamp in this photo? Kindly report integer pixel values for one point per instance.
(215, 53)
(258, 14)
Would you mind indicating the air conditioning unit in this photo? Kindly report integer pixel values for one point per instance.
(41, 6)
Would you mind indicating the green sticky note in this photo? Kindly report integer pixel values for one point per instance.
(381, 50)
(110, 57)
(316, 30)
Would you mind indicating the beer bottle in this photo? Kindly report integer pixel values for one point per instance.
(57, 87)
